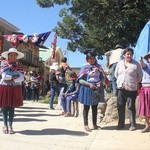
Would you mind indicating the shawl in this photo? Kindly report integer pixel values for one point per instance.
(5, 65)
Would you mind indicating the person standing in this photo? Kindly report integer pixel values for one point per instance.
(91, 88)
(144, 93)
(11, 87)
(113, 57)
(128, 73)
(54, 84)
(34, 86)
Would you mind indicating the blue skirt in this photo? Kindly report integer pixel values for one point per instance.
(88, 96)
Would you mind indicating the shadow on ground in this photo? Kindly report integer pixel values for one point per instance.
(53, 131)
(127, 126)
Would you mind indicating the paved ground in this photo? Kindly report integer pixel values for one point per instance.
(38, 128)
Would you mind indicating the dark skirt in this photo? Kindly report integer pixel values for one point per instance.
(144, 102)
(11, 96)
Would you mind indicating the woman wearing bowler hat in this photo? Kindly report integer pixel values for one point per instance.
(91, 79)
(144, 94)
(10, 87)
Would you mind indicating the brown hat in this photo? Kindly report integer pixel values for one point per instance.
(73, 75)
(147, 56)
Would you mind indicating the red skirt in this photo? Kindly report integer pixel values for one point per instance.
(11, 96)
(144, 102)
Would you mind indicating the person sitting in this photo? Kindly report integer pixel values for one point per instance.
(70, 95)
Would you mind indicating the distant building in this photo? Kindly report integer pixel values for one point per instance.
(45, 54)
(31, 60)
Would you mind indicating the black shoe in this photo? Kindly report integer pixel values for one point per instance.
(119, 127)
(52, 108)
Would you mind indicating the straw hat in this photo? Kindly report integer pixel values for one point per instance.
(147, 56)
(12, 50)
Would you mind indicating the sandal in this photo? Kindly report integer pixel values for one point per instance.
(63, 113)
(5, 130)
(87, 129)
(68, 115)
(11, 131)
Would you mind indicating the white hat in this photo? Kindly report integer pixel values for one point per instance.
(12, 50)
(54, 66)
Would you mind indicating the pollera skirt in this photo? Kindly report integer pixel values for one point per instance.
(87, 96)
(11, 96)
(144, 102)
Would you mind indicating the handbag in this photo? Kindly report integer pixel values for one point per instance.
(96, 95)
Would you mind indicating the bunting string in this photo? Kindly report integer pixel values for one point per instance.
(37, 39)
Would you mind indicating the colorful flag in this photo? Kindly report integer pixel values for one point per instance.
(39, 39)
(36, 39)
(13, 39)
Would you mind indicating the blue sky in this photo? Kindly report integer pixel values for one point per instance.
(30, 18)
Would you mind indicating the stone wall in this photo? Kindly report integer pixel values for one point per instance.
(107, 112)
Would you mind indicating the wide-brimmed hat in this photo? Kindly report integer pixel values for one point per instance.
(54, 66)
(147, 56)
(12, 50)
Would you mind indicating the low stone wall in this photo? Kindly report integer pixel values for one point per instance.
(107, 112)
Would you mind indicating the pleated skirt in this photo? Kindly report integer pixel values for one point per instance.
(86, 96)
(11, 96)
(144, 102)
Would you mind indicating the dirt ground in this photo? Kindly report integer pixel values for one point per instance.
(38, 128)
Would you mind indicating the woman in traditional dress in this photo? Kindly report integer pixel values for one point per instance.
(10, 87)
(91, 90)
(144, 94)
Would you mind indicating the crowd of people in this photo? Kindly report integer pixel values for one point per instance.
(32, 85)
(87, 87)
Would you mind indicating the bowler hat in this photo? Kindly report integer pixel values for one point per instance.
(147, 56)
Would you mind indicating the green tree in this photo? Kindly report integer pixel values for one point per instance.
(100, 24)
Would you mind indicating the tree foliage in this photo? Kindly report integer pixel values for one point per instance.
(100, 24)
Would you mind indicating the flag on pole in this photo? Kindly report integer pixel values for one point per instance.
(54, 43)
